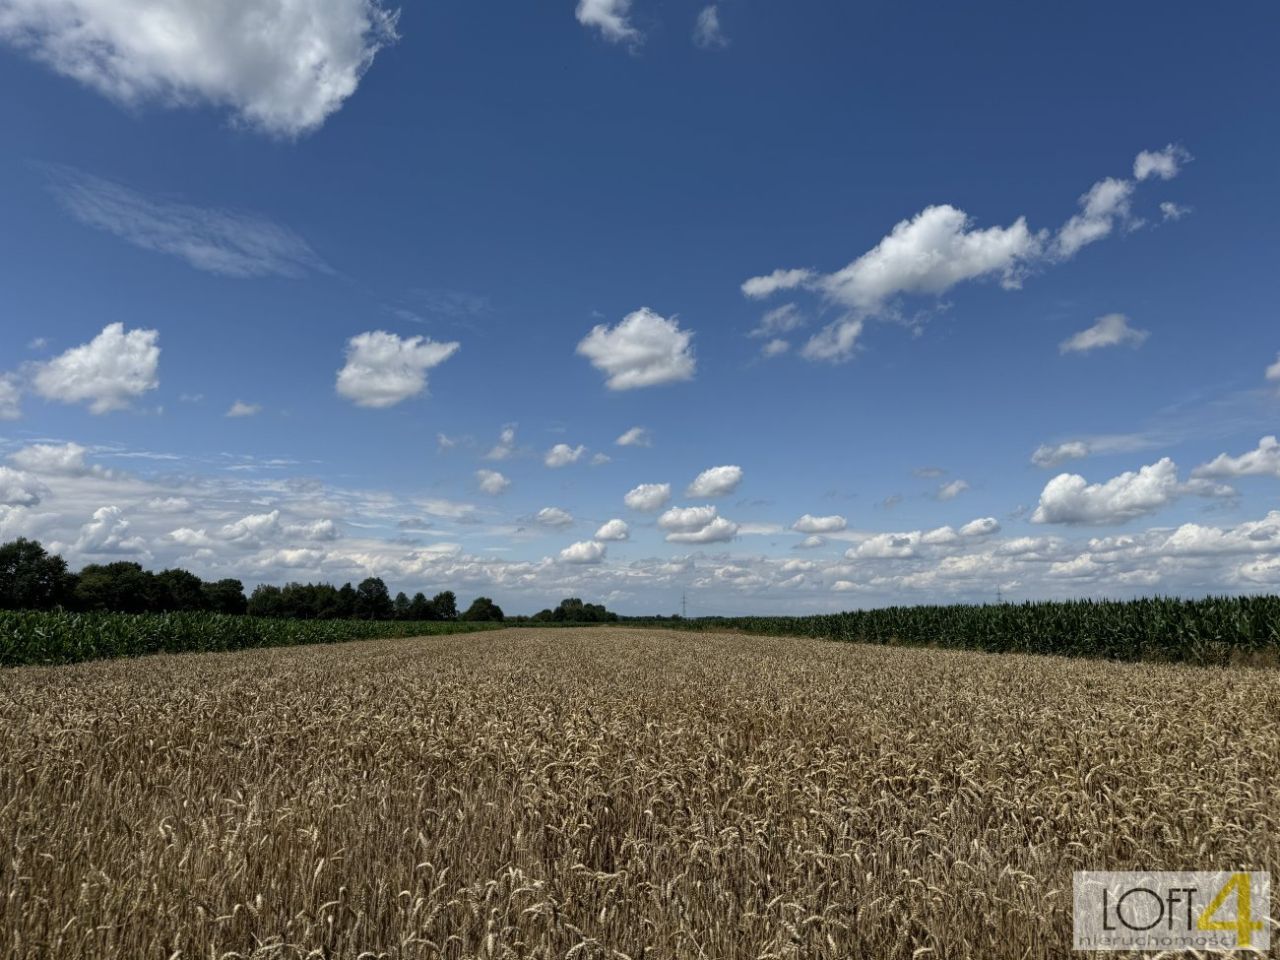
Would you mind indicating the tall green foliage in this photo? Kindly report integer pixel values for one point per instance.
(39, 637)
(1214, 630)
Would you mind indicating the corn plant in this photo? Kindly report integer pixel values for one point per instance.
(50, 638)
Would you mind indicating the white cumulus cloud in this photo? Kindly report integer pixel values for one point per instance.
(927, 254)
(887, 546)
(1261, 462)
(766, 286)
(252, 530)
(18, 489)
(775, 348)
(982, 527)
(561, 455)
(636, 437)
(10, 398)
(1101, 208)
(718, 530)
(1164, 163)
(1273, 371)
(1113, 330)
(648, 497)
(685, 519)
(610, 17)
(715, 482)
(108, 532)
(55, 459)
(108, 372)
(940, 537)
(949, 491)
(383, 369)
(506, 444)
(492, 482)
(554, 517)
(613, 530)
(282, 66)
(644, 350)
(584, 552)
(1070, 499)
(316, 530)
(1053, 454)
(811, 524)
(242, 409)
(932, 252)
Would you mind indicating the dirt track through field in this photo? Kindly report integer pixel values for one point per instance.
(609, 793)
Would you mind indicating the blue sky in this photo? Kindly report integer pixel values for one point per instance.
(985, 294)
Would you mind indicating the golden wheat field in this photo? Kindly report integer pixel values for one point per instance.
(610, 793)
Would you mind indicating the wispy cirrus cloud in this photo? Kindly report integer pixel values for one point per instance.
(226, 242)
(708, 34)
(1049, 455)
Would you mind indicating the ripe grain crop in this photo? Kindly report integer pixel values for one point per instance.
(610, 793)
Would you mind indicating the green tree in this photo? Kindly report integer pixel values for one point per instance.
(401, 606)
(328, 603)
(420, 607)
(225, 596)
(32, 578)
(373, 600)
(346, 601)
(482, 608)
(266, 601)
(121, 587)
(179, 590)
(446, 605)
(573, 610)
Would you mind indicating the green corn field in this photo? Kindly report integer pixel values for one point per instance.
(52, 638)
(1215, 630)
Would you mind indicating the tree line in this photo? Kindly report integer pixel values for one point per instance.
(32, 578)
(574, 610)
